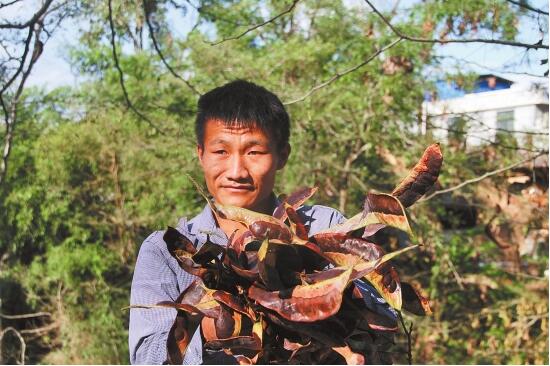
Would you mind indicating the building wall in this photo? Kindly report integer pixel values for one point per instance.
(484, 115)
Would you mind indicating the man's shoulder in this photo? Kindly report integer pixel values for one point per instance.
(319, 217)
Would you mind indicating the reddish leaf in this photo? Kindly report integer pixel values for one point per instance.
(329, 241)
(295, 200)
(296, 224)
(250, 275)
(179, 336)
(305, 303)
(179, 246)
(268, 230)
(247, 342)
(207, 252)
(239, 342)
(421, 178)
(351, 357)
(231, 301)
(413, 302)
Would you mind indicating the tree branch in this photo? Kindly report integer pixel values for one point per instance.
(31, 21)
(129, 104)
(409, 337)
(25, 316)
(10, 114)
(525, 5)
(161, 55)
(8, 4)
(343, 73)
(290, 8)
(486, 175)
(537, 45)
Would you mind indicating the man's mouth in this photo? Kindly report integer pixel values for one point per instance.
(238, 188)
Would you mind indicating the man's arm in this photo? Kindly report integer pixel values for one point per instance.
(154, 281)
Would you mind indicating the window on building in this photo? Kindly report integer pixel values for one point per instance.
(505, 124)
(457, 131)
(505, 120)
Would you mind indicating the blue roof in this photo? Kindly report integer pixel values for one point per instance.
(449, 89)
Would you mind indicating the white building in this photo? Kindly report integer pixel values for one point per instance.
(496, 110)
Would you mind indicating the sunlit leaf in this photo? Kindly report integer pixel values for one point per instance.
(305, 303)
(295, 200)
(351, 357)
(379, 209)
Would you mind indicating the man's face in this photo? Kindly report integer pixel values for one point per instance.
(240, 164)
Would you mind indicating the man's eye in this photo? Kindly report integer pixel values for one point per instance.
(255, 152)
(220, 152)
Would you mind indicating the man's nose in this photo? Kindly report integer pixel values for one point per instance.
(237, 170)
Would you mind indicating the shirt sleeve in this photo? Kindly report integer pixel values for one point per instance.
(154, 281)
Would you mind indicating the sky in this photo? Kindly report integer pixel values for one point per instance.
(53, 68)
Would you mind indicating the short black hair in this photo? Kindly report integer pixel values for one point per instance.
(244, 104)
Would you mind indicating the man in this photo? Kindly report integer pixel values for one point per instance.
(242, 141)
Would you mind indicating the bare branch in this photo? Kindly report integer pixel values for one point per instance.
(25, 316)
(525, 5)
(408, 333)
(11, 114)
(161, 55)
(8, 4)
(45, 329)
(129, 104)
(31, 21)
(290, 8)
(480, 178)
(537, 45)
(461, 62)
(343, 73)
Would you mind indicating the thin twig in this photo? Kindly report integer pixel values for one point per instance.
(41, 330)
(525, 5)
(343, 73)
(537, 45)
(161, 55)
(486, 175)
(8, 4)
(31, 21)
(25, 316)
(290, 8)
(129, 104)
(409, 337)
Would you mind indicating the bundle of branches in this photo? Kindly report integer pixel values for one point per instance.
(277, 295)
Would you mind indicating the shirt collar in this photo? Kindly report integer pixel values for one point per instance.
(205, 224)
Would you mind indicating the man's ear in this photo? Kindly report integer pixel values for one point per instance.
(283, 156)
(200, 151)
